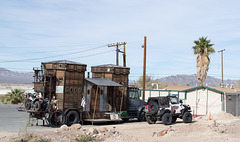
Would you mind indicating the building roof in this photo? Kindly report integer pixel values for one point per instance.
(64, 62)
(110, 65)
(178, 88)
(103, 82)
(203, 87)
(191, 88)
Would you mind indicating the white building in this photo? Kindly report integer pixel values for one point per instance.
(203, 99)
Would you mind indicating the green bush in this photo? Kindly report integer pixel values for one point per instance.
(84, 138)
(15, 96)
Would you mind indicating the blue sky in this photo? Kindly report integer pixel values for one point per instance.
(80, 30)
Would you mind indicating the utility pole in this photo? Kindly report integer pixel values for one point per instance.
(144, 66)
(117, 52)
(124, 54)
(222, 61)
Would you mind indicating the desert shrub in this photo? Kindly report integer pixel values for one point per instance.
(84, 138)
(15, 96)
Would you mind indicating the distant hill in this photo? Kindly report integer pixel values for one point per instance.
(7, 76)
(191, 80)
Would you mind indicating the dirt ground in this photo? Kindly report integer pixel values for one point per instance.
(222, 127)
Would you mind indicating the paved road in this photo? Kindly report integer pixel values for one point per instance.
(12, 120)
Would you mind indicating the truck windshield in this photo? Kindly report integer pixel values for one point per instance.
(133, 95)
(174, 100)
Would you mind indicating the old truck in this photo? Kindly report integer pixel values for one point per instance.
(68, 97)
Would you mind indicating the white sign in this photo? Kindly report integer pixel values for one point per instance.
(59, 89)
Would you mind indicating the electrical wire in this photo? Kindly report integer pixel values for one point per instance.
(32, 59)
(55, 51)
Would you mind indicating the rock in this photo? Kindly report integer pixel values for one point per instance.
(153, 134)
(93, 131)
(75, 127)
(108, 134)
(215, 124)
(162, 133)
(104, 129)
(64, 128)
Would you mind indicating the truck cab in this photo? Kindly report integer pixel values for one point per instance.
(135, 107)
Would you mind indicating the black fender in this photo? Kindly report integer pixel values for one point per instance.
(163, 111)
(140, 108)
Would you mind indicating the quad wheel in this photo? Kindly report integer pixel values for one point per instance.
(151, 119)
(27, 104)
(37, 106)
(187, 117)
(167, 119)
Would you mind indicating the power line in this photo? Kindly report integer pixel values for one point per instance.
(93, 54)
(47, 46)
(55, 51)
(71, 58)
(32, 59)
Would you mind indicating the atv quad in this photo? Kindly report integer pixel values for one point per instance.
(167, 109)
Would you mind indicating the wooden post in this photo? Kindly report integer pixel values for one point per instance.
(144, 67)
(222, 61)
(117, 55)
(124, 54)
(117, 52)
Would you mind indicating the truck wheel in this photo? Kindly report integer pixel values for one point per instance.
(72, 117)
(174, 119)
(141, 116)
(153, 107)
(37, 106)
(57, 118)
(187, 117)
(151, 120)
(167, 119)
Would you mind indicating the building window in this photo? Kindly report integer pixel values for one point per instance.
(71, 89)
(88, 92)
(67, 89)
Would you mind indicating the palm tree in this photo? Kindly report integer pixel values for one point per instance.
(203, 49)
(15, 96)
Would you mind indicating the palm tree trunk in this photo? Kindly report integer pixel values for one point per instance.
(202, 68)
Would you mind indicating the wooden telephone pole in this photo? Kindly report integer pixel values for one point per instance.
(222, 61)
(117, 52)
(144, 66)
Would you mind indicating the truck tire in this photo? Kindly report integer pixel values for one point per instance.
(174, 119)
(72, 117)
(187, 117)
(151, 120)
(37, 106)
(153, 107)
(141, 116)
(167, 119)
(57, 118)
